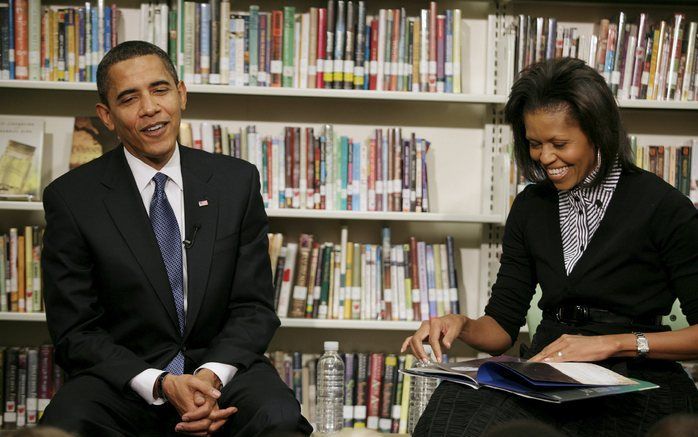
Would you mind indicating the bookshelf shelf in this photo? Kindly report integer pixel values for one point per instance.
(658, 104)
(384, 325)
(380, 325)
(279, 92)
(21, 206)
(23, 317)
(387, 216)
(329, 215)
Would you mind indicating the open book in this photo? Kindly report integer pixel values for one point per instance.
(549, 382)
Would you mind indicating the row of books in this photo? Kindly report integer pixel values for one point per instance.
(376, 394)
(653, 59)
(671, 163)
(339, 46)
(29, 380)
(55, 43)
(20, 270)
(305, 169)
(411, 281)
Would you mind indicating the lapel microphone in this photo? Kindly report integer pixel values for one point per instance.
(189, 242)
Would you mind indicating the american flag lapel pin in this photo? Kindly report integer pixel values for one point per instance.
(203, 203)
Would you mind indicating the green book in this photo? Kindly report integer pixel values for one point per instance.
(288, 54)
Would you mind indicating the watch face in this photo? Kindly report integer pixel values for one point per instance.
(643, 345)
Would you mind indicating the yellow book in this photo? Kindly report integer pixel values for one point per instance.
(21, 291)
(440, 310)
(406, 382)
(656, 61)
(71, 46)
(348, 283)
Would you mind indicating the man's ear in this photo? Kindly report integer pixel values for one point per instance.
(104, 114)
(182, 90)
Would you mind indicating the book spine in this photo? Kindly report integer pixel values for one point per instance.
(328, 75)
(389, 380)
(288, 46)
(376, 367)
(253, 45)
(348, 59)
(300, 289)
(322, 40)
(339, 41)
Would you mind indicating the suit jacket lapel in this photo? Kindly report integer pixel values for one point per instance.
(124, 204)
(201, 213)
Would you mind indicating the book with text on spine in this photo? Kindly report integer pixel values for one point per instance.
(548, 382)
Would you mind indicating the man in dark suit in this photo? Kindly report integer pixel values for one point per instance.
(157, 276)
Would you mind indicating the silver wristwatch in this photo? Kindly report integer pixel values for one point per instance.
(643, 346)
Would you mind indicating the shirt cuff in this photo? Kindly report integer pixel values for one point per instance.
(143, 384)
(224, 372)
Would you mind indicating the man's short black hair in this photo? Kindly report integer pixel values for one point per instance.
(568, 85)
(124, 51)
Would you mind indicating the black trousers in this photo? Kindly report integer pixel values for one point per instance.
(87, 406)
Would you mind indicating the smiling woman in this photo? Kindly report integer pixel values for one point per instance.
(611, 247)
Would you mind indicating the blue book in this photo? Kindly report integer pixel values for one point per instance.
(356, 179)
(94, 17)
(367, 56)
(107, 29)
(547, 382)
(344, 167)
(254, 44)
(81, 46)
(205, 41)
(11, 28)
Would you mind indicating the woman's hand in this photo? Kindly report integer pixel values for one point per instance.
(439, 331)
(579, 348)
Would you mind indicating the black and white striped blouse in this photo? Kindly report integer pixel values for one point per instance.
(581, 210)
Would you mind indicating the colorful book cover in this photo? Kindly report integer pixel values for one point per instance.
(21, 150)
(91, 139)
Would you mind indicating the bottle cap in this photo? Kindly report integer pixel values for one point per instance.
(331, 345)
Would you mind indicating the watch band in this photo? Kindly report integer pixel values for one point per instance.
(158, 386)
(643, 346)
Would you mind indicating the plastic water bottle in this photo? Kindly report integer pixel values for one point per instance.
(421, 389)
(330, 390)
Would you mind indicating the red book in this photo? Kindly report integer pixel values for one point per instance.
(296, 166)
(321, 47)
(289, 166)
(316, 179)
(21, 16)
(277, 20)
(373, 66)
(372, 175)
(375, 380)
(395, 42)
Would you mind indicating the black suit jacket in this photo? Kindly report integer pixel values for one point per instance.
(109, 306)
(643, 255)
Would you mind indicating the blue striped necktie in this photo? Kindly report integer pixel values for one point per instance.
(166, 229)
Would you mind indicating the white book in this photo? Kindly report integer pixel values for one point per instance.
(288, 280)
(400, 289)
(224, 26)
(344, 237)
(275, 175)
(189, 27)
(624, 89)
(363, 178)
(34, 36)
(381, 49)
(207, 137)
(424, 51)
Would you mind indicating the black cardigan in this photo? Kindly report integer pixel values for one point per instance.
(642, 257)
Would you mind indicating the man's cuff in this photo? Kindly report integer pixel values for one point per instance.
(224, 372)
(143, 384)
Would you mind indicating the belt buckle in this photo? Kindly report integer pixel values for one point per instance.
(581, 313)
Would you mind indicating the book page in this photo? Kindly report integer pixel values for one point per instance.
(592, 374)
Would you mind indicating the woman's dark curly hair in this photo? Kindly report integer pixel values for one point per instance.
(568, 85)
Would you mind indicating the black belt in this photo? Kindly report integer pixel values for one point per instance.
(580, 314)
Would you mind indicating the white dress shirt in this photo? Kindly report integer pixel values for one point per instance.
(143, 174)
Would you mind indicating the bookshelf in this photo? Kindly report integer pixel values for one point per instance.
(466, 131)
